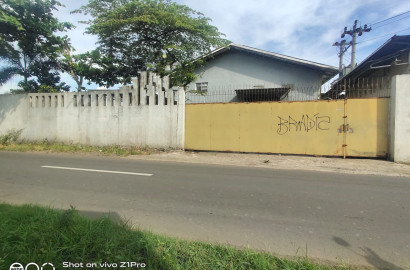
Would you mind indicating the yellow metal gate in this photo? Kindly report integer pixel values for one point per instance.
(367, 127)
(356, 127)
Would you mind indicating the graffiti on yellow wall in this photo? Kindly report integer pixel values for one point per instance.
(307, 128)
(305, 123)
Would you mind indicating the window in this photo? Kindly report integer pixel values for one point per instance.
(202, 86)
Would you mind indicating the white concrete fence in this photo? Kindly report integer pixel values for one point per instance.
(147, 113)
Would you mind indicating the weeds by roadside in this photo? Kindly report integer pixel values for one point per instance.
(11, 142)
(11, 137)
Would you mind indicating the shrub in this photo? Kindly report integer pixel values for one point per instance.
(10, 137)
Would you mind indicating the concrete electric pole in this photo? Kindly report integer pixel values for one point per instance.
(353, 33)
(343, 46)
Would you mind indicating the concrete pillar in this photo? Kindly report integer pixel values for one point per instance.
(181, 119)
(143, 84)
(399, 120)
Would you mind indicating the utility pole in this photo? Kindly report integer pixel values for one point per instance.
(353, 33)
(343, 45)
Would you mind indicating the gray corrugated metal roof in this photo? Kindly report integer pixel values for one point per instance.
(396, 44)
(328, 70)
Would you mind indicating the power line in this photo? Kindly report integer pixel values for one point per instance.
(383, 35)
(391, 17)
(391, 22)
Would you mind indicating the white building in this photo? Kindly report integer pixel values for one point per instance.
(240, 73)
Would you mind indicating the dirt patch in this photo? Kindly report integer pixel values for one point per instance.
(286, 162)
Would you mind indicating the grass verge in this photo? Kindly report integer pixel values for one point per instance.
(11, 142)
(36, 234)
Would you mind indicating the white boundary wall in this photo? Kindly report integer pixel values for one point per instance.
(399, 126)
(147, 113)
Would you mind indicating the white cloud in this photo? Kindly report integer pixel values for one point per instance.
(11, 84)
(298, 28)
(295, 28)
(82, 42)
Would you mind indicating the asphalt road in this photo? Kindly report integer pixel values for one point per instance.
(340, 217)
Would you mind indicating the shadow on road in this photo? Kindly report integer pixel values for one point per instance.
(341, 241)
(374, 259)
(369, 255)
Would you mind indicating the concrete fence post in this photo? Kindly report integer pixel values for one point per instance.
(160, 94)
(170, 96)
(143, 85)
(181, 119)
(399, 119)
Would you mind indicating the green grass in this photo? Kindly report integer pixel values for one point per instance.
(37, 234)
(11, 142)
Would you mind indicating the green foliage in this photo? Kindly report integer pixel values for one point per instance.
(36, 234)
(90, 65)
(6, 73)
(17, 91)
(47, 89)
(29, 46)
(10, 137)
(136, 35)
(184, 73)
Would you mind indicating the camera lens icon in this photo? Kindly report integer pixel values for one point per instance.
(50, 266)
(16, 266)
(32, 266)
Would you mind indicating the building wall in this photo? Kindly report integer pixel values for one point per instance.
(64, 117)
(237, 70)
(399, 147)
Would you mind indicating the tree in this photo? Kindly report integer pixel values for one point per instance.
(29, 46)
(136, 35)
(79, 66)
(91, 66)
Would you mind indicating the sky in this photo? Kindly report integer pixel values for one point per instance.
(297, 28)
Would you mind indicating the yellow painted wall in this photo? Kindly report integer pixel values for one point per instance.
(287, 127)
(368, 119)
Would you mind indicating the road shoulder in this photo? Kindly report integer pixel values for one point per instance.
(286, 162)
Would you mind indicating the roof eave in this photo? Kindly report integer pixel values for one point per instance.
(329, 71)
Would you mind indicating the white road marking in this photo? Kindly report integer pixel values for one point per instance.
(92, 170)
